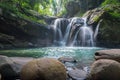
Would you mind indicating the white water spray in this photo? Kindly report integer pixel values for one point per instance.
(76, 33)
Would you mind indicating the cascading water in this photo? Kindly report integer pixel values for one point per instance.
(59, 30)
(96, 30)
(73, 32)
(85, 35)
(67, 36)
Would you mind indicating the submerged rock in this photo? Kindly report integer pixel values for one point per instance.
(66, 59)
(105, 69)
(43, 69)
(77, 74)
(113, 54)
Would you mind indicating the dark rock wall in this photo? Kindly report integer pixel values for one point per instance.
(73, 7)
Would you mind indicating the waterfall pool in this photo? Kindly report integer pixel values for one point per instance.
(82, 54)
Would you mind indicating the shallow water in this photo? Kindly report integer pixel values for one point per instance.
(83, 54)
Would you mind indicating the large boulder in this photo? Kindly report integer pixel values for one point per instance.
(8, 68)
(113, 54)
(43, 69)
(105, 69)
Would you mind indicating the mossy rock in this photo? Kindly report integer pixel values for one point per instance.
(94, 16)
(109, 29)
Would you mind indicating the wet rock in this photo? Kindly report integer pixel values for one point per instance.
(80, 65)
(113, 54)
(72, 8)
(77, 74)
(94, 15)
(43, 69)
(10, 67)
(109, 24)
(7, 68)
(68, 64)
(0, 76)
(66, 59)
(105, 69)
(20, 62)
(86, 69)
(7, 71)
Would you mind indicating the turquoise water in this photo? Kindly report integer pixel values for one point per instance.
(84, 54)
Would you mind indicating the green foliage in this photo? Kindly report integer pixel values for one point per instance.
(110, 2)
(115, 15)
(19, 12)
(43, 7)
(113, 10)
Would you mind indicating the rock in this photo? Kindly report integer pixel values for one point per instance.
(1, 11)
(77, 74)
(43, 69)
(20, 62)
(21, 30)
(87, 69)
(68, 64)
(72, 8)
(113, 54)
(81, 6)
(7, 68)
(94, 15)
(66, 59)
(109, 24)
(105, 69)
(0, 76)
(8, 72)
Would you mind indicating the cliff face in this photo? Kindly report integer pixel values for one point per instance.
(25, 28)
(81, 6)
(109, 28)
(18, 31)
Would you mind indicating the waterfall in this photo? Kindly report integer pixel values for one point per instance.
(74, 32)
(85, 35)
(59, 28)
(96, 30)
(68, 30)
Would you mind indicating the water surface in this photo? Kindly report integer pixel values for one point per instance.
(84, 54)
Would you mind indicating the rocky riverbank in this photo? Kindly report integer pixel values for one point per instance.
(10, 68)
(107, 61)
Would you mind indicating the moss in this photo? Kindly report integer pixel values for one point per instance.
(115, 15)
(16, 12)
(96, 18)
(79, 14)
(112, 10)
(110, 2)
